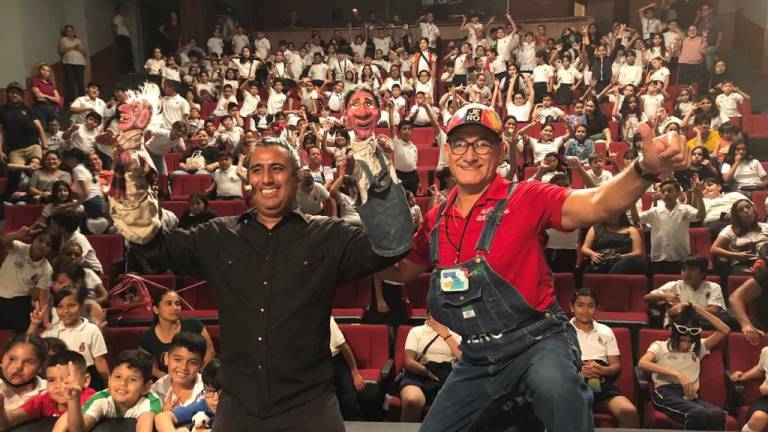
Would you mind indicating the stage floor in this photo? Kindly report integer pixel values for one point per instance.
(413, 427)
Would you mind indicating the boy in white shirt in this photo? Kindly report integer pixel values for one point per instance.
(215, 44)
(653, 99)
(239, 40)
(670, 243)
(261, 45)
(318, 72)
(183, 385)
(277, 98)
(90, 102)
(383, 41)
(174, 107)
(543, 77)
(230, 133)
(227, 97)
(630, 72)
(251, 98)
(83, 136)
(728, 102)
(600, 358)
(54, 134)
(596, 172)
(127, 395)
(158, 142)
(547, 112)
(419, 114)
(226, 185)
(650, 24)
(691, 288)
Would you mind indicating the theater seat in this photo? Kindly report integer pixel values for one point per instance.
(176, 207)
(17, 216)
(701, 243)
(756, 125)
(565, 286)
(197, 293)
(119, 339)
(167, 281)
(172, 161)
(416, 292)
(110, 251)
(626, 380)
(228, 207)
(621, 297)
(351, 300)
(734, 282)
(185, 185)
(214, 331)
(758, 197)
(742, 356)
(711, 379)
(370, 346)
(423, 136)
(395, 404)
(428, 157)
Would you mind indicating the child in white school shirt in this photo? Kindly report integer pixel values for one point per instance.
(227, 97)
(730, 99)
(600, 360)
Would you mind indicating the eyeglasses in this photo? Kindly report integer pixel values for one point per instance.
(481, 146)
(210, 393)
(693, 331)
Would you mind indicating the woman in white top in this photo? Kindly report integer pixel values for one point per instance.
(155, 64)
(460, 64)
(744, 240)
(739, 167)
(431, 350)
(518, 105)
(87, 188)
(245, 65)
(73, 56)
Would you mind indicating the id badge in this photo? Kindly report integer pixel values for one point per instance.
(453, 280)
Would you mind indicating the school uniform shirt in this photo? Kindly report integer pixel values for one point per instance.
(55, 141)
(722, 204)
(97, 105)
(568, 76)
(522, 113)
(262, 47)
(171, 73)
(630, 74)
(748, 173)
(708, 294)
(406, 155)
(745, 242)
(175, 108)
(542, 73)
(311, 202)
(729, 104)
(228, 183)
(250, 103)
(660, 74)
(161, 142)
(420, 116)
(669, 231)
(430, 31)
(650, 26)
(295, 64)
(43, 405)
(215, 45)
(382, 44)
(231, 137)
(389, 82)
(81, 173)
(427, 87)
(651, 104)
(318, 72)
(163, 390)
(335, 101)
(90, 259)
(239, 41)
(526, 56)
(600, 179)
(337, 338)
(154, 66)
(541, 148)
(101, 405)
(686, 362)
(246, 68)
(504, 47)
(12, 400)
(221, 106)
(340, 68)
(418, 338)
(358, 49)
(85, 338)
(19, 275)
(83, 139)
(597, 344)
(275, 102)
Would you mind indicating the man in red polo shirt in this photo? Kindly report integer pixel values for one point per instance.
(491, 283)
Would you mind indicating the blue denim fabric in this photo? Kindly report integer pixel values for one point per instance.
(386, 216)
(513, 357)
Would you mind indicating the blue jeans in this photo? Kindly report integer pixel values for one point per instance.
(488, 397)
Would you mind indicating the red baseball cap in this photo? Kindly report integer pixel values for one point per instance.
(475, 113)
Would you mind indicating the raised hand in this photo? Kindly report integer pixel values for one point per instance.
(664, 153)
(72, 385)
(38, 314)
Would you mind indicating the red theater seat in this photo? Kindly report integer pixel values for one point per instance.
(758, 197)
(17, 216)
(351, 300)
(185, 185)
(621, 297)
(119, 339)
(228, 207)
(626, 380)
(734, 282)
(370, 344)
(742, 356)
(565, 286)
(214, 331)
(423, 136)
(172, 161)
(711, 379)
(701, 243)
(110, 251)
(428, 157)
(197, 293)
(416, 291)
(176, 207)
(395, 404)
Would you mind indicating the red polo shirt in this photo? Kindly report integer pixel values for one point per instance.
(516, 252)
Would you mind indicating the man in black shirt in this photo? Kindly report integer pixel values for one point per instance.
(273, 273)
(752, 296)
(21, 134)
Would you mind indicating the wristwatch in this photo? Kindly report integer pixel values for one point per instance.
(645, 175)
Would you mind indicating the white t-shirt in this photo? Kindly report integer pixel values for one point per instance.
(85, 338)
(83, 139)
(90, 259)
(97, 105)
(542, 73)
(19, 275)
(382, 44)
(747, 173)
(250, 103)
(311, 202)
(660, 74)
(101, 405)
(439, 351)
(406, 155)
(598, 344)
(540, 149)
(222, 104)
(228, 183)
(358, 49)
(708, 294)
(174, 109)
(162, 388)
(215, 45)
(154, 66)
(745, 242)
(600, 179)
(568, 76)
(669, 231)
(729, 104)
(74, 56)
(685, 362)
(421, 117)
(13, 401)
(652, 25)
(630, 74)
(171, 73)
(239, 41)
(81, 173)
(522, 113)
(337, 338)
(275, 102)
(161, 143)
(319, 72)
(262, 47)
(651, 104)
(719, 205)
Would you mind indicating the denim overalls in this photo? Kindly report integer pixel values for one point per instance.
(512, 354)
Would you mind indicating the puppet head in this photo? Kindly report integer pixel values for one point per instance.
(362, 111)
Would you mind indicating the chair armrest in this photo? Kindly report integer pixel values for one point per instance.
(386, 370)
(738, 387)
(642, 379)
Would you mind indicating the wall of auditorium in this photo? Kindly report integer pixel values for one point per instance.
(32, 30)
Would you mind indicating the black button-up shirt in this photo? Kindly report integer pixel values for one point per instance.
(18, 125)
(273, 289)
